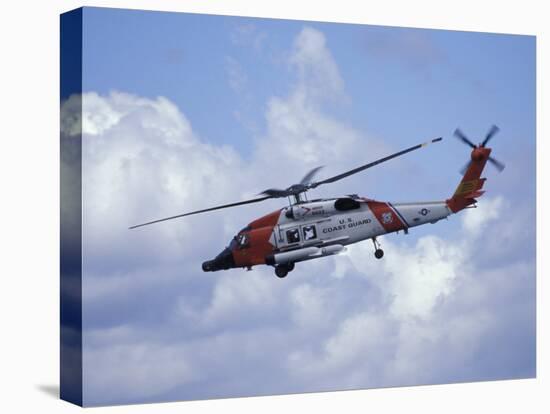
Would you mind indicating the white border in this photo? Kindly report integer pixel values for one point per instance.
(29, 185)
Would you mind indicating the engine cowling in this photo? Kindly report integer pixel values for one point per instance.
(321, 208)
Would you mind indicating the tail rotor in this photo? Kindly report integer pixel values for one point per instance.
(490, 134)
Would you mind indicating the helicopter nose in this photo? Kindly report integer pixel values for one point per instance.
(223, 261)
(207, 266)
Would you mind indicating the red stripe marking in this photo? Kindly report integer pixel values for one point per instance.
(268, 220)
(386, 216)
(259, 245)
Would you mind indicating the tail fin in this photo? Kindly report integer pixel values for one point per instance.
(471, 184)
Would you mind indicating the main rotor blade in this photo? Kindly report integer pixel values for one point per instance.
(460, 135)
(499, 166)
(494, 129)
(372, 164)
(239, 203)
(307, 178)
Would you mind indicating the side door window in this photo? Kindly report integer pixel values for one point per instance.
(309, 232)
(293, 235)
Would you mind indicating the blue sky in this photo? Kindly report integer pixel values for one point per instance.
(178, 105)
(424, 83)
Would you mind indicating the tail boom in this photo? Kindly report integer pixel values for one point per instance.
(471, 184)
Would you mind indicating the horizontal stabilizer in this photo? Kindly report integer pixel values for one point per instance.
(474, 194)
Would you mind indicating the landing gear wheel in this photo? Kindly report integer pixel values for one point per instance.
(290, 267)
(378, 252)
(281, 271)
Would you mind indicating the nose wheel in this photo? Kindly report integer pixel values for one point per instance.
(378, 252)
(283, 269)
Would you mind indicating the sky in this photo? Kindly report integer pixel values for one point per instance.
(184, 111)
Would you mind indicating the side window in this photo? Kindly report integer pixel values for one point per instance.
(293, 235)
(242, 240)
(309, 232)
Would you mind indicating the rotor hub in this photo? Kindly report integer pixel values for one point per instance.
(478, 154)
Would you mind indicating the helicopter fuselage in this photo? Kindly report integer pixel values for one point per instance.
(318, 228)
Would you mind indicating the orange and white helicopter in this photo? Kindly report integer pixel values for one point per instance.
(310, 229)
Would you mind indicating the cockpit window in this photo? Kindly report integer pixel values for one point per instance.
(240, 241)
(243, 240)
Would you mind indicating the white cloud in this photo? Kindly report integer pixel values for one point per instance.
(301, 132)
(476, 220)
(309, 306)
(71, 116)
(235, 294)
(302, 135)
(439, 310)
(413, 283)
(317, 70)
(360, 335)
(142, 161)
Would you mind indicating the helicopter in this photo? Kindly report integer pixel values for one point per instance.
(311, 229)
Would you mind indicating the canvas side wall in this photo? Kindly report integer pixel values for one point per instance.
(71, 209)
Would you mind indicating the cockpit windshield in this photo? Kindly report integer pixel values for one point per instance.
(240, 241)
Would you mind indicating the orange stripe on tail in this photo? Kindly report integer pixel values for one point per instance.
(385, 215)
